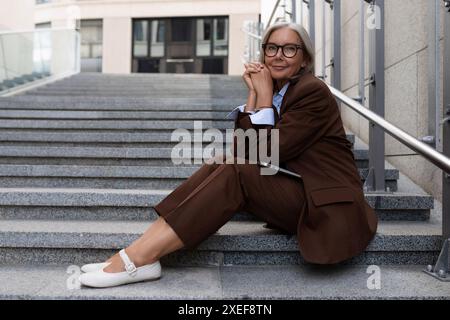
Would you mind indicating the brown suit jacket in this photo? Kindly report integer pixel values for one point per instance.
(337, 223)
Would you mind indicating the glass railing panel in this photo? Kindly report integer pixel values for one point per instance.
(33, 55)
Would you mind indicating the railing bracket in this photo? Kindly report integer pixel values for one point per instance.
(441, 268)
(447, 5)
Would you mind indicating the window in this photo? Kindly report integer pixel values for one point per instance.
(157, 38)
(140, 38)
(181, 30)
(203, 37)
(91, 32)
(220, 36)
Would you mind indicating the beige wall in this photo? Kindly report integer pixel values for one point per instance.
(117, 17)
(406, 73)
(237, 42)
(116, 45)
(22, 19)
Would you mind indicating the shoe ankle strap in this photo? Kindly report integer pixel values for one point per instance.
(129, 265)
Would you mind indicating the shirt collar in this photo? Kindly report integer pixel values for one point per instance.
(283, 90)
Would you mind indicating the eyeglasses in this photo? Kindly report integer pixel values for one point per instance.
(288, 50)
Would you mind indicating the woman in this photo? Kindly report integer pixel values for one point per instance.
(326, 208)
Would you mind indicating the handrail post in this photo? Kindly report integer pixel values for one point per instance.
(337, 65)
(362, 51)
(294, 11)
(441, 270)
(432, 137)
(324, 42)
(312, 21)
(446, 126)
(375, 179)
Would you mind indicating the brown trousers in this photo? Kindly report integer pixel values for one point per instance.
(213, 194)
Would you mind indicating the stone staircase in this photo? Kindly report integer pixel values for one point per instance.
(83, 159)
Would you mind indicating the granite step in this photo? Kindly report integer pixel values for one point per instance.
(126, 93)
(113, 115)
(113, 124)
(144, 78)
(133, 86)
(115, 156)
(160, 92)
(148, 139)
(136, 204)
(115, 177)
(286, 282)
(235, 243)
(119, 103)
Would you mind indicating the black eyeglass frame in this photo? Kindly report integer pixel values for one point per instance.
(297, 47)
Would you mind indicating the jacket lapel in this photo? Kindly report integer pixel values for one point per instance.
(290, 93)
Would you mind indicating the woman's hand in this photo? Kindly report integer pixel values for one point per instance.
(251, 68)
(263, 85)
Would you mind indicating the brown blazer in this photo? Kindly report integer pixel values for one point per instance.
(337, 223)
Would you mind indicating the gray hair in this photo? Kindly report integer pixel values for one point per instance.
(304, 37)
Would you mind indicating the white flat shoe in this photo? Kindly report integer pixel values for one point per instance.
(101, 279)
(94, 266)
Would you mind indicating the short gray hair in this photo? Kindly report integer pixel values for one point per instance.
(304, 37)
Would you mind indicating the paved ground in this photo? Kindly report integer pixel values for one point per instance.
(234, 282)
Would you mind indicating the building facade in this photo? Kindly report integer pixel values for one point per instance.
(173, 36)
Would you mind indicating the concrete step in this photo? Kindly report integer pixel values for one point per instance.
(235, 243)
(143, 93)
(135, 204)
(114, 156)
(115, 177)
(166, 86)
(113, 115)
(148, 139)
(113, 124)
(185, 80)
(306, 282)
(142, 87)
(119, 103)
(143, 77)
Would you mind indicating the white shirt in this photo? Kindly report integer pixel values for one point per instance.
(264, 116)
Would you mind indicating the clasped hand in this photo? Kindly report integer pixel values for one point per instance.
(258, 79)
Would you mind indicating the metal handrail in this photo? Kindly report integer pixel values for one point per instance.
(273, 12)
(423, 149)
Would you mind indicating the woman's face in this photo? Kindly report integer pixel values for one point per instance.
(282, 67)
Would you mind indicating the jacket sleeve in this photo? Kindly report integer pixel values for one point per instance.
(305, 121)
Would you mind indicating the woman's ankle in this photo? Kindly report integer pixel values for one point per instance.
(138, 258)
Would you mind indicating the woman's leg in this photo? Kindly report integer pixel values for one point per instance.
(160, 239)
(229, 188)
(157, 241)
